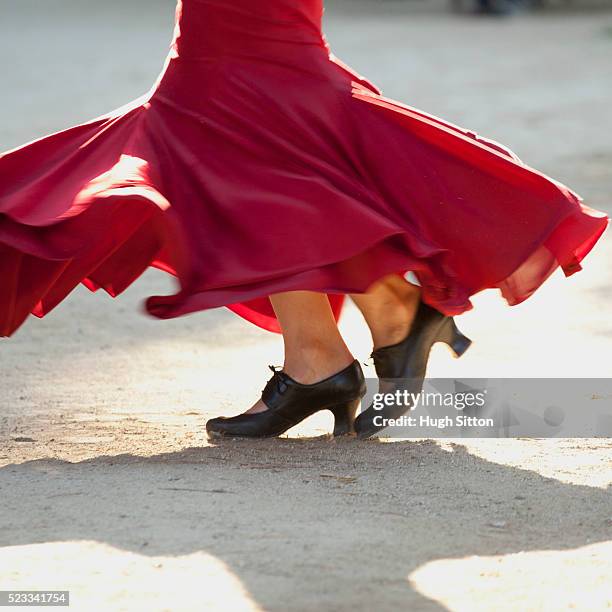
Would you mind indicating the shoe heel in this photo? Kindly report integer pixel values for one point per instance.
(344, 417)
(455, 339)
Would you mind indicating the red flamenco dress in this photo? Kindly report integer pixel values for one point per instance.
(260, 163)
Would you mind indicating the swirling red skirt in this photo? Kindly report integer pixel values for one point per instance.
(263, 185)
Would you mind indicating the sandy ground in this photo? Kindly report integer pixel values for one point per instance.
(108, 486)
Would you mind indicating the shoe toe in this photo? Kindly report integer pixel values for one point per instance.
(217, 425)
(364, 426)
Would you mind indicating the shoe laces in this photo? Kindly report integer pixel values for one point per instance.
(370, 361)
(279, 379)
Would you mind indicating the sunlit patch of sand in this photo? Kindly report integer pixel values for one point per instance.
(101, 577)
(577, 579)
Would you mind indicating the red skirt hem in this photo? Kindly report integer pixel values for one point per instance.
(95, 205)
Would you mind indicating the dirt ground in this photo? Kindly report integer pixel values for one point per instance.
(108, 486)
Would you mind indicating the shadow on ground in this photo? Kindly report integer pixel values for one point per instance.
(307, 522)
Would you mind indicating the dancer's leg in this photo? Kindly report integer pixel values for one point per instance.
(388, 308)
(314, 348)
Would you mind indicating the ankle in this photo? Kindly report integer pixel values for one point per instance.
(313, 363)
(395, 321)
(391, 334)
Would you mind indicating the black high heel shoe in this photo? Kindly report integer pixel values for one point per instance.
(290, 402)
(407, 360)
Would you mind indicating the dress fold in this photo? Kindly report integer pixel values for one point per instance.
(259, 163)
